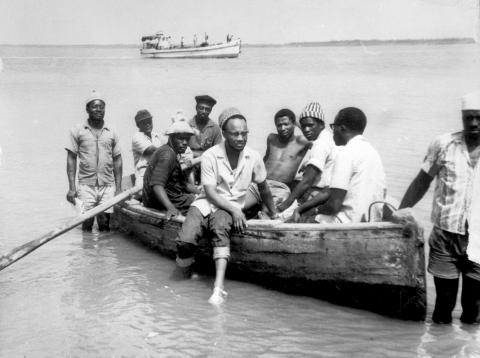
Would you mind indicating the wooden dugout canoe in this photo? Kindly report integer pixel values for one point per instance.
(376, 266)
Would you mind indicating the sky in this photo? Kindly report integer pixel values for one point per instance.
(254, 21)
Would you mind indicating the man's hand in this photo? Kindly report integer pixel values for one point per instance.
(71, 195)
(171, 213)
(239, 220)
(283, 206)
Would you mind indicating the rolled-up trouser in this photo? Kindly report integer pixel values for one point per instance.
(448, 256)
(218, 224)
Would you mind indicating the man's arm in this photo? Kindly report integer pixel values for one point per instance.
(71, 173)
(192, 188)
(334, 202)
(267, 199)
(162, 197)
(239, 219)
(149, 150)
(306, 183)
(416, 190)
(267, 152)
(118, 172)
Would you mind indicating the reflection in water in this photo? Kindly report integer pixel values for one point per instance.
(450, 341)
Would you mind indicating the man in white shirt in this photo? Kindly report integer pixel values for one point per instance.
(357, 179)
(144, 143)
(228, 169)
(318, 160)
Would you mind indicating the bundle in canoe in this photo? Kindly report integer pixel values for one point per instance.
(376, 266)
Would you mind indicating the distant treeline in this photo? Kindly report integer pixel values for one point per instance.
(447, 41)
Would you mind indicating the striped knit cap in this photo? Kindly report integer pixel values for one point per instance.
(314, 110)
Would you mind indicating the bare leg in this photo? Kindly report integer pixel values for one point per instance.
(218, 295)
(221, 267)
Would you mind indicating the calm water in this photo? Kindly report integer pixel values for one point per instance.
(92, 295)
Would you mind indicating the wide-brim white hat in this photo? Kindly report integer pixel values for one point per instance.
(180, 127)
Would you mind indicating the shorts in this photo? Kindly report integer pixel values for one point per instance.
(218, 223)
(94, 195)
(280, 191)
(448, 256)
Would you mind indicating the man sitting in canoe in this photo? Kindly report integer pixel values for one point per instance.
(165, 185)
(207, 132)
(357, 178)
(285, 152)
(318, 160)
(227, 170)
(144, 143)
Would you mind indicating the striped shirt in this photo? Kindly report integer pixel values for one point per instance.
(449, 162)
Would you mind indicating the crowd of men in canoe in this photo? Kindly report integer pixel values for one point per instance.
(205, 171)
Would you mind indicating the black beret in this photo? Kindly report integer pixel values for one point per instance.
(206, 98)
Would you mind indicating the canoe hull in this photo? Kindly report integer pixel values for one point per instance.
(224, 50)
(375, 266)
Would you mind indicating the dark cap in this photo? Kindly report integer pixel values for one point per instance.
(142, 114)
(207, 99)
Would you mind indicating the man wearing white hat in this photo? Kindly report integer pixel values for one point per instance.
(452, 159)
(97, 148)
(165, 185)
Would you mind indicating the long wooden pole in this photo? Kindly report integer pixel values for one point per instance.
(23, 250)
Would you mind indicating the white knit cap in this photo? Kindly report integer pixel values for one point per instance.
(471, 101)
(313, 110)
(93, 96)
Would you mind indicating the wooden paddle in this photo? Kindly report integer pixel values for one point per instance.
(23, 250)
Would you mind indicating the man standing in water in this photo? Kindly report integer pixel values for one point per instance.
(207, 132)
(452, 159)
(284, 154)
(227, 170)
(100, 163)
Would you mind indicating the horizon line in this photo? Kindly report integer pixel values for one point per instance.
(354, 42)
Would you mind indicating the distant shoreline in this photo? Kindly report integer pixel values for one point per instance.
(445, 41)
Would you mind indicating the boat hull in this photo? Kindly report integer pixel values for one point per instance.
(224, 50)
(374, 266)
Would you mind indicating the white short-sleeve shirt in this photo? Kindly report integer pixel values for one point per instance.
(358, 169)
(232, 184)
(321, 156)
(140, 142)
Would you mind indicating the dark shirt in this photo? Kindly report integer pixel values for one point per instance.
(164, 169)
(209, 136)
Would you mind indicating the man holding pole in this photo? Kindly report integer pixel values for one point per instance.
(97, 148)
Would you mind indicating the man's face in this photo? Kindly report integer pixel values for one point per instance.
(203, 110)
(337, 130)
(311, 127)
(96, 110)
(235, 133)
(145, 125)
(179, 142)
(471, 122)
(285, 127)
